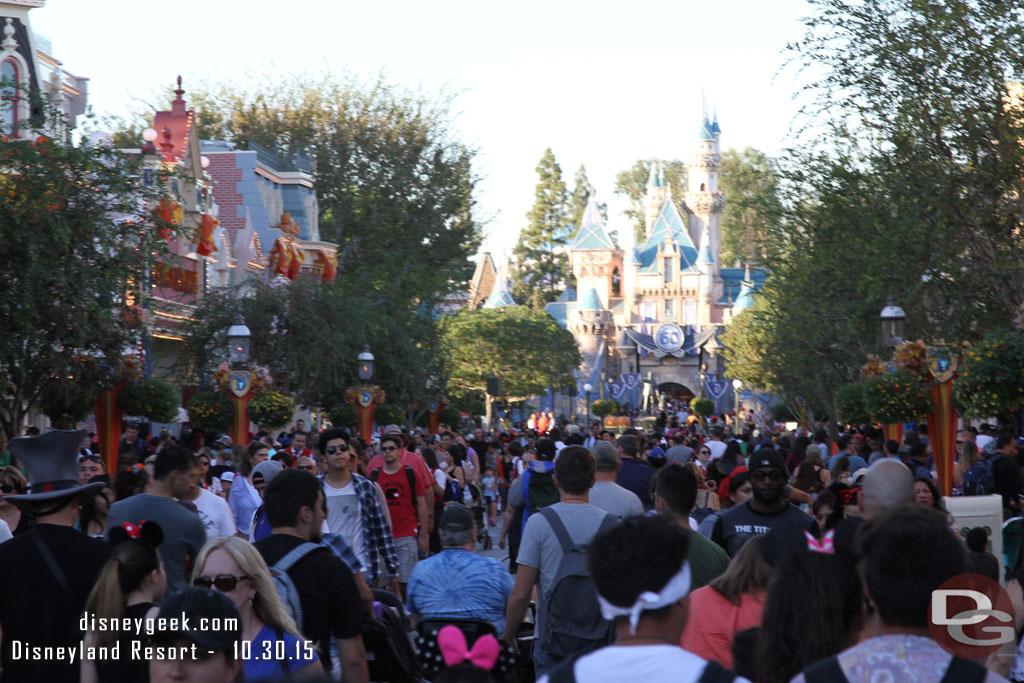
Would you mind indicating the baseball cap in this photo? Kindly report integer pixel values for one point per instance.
(189, 614)
(767, 457)
(224, 439)
(606, 456)
(227, 476)
(266, 471)
(457, 517)
(656, 456)
(860, 473)
(391, 429)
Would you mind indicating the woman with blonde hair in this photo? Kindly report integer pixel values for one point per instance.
(12, 482)
(235, 568)
(128, 587)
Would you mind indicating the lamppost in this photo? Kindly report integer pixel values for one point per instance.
(365, 397)
(736, 384)
(239, 343)
(892, 321)
(587, 388)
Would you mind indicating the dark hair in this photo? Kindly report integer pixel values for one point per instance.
(330, 435)
(908, 553)
(629, 444)
(430, 457)
(639, 554)
(458, 453)
(287, 493)
(1003, 440)
(170, 459)
(515, 449)
(892, 446)
(395, 439)
(813, 611)
(678, 486)
(843, 441)
(917, 449)
(546, 449)
(827, 497)
(936, 498)
(842, 464)
(575, 469)
(807, 478)
(799, 450)
(129, 482)
(87, 502)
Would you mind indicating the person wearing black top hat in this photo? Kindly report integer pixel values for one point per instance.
(51, 569)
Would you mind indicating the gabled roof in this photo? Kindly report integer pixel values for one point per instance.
(482, 284)
(705, 129)
(590, 301)
(500, 297)
(672, 225)
(591, 235)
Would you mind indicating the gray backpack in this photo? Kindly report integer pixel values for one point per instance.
(570, 621)
(283, 583)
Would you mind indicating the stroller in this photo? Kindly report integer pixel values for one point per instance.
(478, 506)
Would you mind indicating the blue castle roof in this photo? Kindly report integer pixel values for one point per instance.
(671, 224)
(590, 301)
(592, 234)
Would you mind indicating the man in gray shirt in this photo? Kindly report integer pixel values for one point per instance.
(605, 493)
(184, 533)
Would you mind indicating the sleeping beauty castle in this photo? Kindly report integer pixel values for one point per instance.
(648, 316)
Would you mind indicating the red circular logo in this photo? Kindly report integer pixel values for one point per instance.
(970, 616)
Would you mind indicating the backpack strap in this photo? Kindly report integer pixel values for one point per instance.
(375, 474)
(964, 670)
(51, 562)
(716, 673)
(411, 476)
(561, 533)
(285, 669)
(825, 671)
(296, 554)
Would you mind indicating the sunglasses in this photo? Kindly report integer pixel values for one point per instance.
(305, 467)
(93, 458)
(8, 488)
(225, 583)
(389, 448)
(764, 475)
(331, 450)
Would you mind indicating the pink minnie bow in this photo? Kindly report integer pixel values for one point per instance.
(452, 643)
(825, 545)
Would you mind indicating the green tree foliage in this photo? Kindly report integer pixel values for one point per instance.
(702, 406)
(394, 185)
(581, 189)
(526, 348)
(541, 267)
(604, 407)
(309, 333)
(752, 220)
(76, 239)
(152, 399)
(632, 184)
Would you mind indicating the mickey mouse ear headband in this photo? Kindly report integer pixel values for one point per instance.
(145, 531)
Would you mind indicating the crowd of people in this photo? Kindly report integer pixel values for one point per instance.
(688, 552)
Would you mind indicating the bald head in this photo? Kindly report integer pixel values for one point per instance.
(887, 485)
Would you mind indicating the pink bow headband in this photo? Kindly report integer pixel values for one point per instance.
(825, 545)
(452, 643)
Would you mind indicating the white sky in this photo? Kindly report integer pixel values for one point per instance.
(601, 82)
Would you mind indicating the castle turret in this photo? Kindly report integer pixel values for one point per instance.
(657, 192)
(703, 197)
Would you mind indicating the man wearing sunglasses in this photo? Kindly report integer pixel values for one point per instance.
(89, 466)
(418, 465)
(406, 498)
(767, 510)
(355, 510)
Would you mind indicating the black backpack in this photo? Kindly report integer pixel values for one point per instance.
(569, 619)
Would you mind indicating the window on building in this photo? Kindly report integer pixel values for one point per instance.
(8, 97)
(649, 311)
(616, 283)
(670, 309)
(690, 312)
(669, 271)
(702, 188)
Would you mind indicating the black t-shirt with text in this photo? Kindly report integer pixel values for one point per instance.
(737, 525)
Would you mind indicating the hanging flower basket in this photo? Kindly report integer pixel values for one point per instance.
(261, 379)
(898, 396)
(152, 399)
(211, 411)
(271, 409)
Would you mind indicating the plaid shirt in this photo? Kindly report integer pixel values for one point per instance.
(376, 530)
(337, 544)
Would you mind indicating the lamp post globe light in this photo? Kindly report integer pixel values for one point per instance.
(239, 342)
(366, 361)
(587, 388)
(736, 385)
(892, 321)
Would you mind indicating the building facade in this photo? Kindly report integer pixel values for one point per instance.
(654, 309)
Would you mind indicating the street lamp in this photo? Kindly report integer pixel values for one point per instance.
(736, 384)
(365, 364)
(586, 388)
(892, 319)
(239, 339)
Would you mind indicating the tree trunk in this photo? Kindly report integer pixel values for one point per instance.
(489, 412)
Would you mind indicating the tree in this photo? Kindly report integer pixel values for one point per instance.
(752, 220)
(632, 183)
(396, 189)
(581, 189)
(525, 348)
(77, 240)
(541, 268)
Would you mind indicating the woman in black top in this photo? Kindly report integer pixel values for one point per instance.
(129, 585)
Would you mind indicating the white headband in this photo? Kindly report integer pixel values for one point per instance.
(677, 587)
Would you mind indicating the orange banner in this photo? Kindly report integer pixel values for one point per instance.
(893, 431)
(942, 424)
(206, 244)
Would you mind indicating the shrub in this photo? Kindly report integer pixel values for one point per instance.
(153, 399)
(344, 415)
(605, 407)
(702, 406)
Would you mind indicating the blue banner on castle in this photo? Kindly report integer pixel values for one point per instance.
(719, 391)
